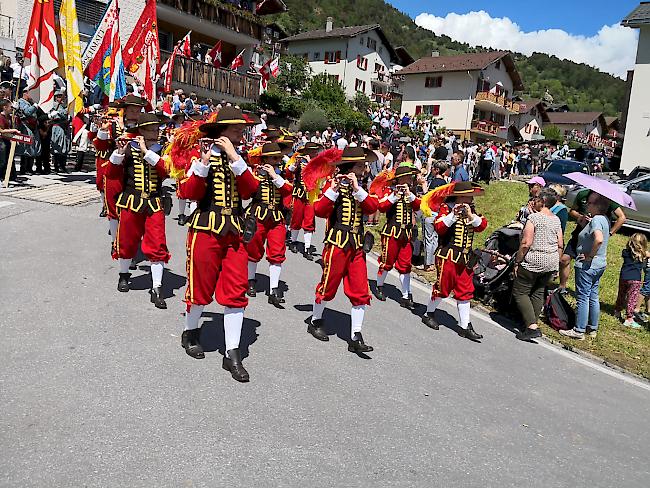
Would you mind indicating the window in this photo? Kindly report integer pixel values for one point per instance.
(362, 63)
(317, 56)
(497, 65)
(360, 85)
(431, 110)
(433, 82)
(379, 68)
(371, 44)
(332, 57)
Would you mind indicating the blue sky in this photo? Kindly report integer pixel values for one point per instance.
(569, 15)
(567, 29)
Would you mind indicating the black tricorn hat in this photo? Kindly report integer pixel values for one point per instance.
(310, 149)
(130, 99)
(229, 116)
(145, 120)
(466, 188)
(356, 155)
(405, 170)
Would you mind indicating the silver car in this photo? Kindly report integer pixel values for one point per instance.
(639, 189)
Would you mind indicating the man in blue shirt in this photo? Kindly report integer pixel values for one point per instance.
(460, 173)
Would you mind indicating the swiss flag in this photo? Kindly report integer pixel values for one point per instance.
(274, 67)
(184, 47)
(238, 61)
(215, 54)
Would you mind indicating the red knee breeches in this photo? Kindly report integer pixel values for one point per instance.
(274, 235)
(453, 278)
(303, 216)
(147, 230)
(395, 253)
(348, 266)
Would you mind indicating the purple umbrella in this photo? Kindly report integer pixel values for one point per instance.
(604, 188)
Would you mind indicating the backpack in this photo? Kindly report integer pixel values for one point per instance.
(558, 312)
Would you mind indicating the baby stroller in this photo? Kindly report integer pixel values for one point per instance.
(494, 272)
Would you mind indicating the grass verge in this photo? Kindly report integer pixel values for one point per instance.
(615, 344)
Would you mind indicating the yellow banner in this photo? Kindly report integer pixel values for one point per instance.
(71, 55)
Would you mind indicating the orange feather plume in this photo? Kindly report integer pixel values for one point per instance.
(320, 167)
(380, 185)
(178, 155)
(254, 156)
(431, 202)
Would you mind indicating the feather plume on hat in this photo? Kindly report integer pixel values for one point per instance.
(183, 149)
(381, 184)
(433, 199)
(318, 170)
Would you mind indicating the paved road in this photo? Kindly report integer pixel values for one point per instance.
(96, 390)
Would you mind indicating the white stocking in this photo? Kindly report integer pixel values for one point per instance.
(124, 265)
(157, 269)
(252, 270)
(274, 275)
(318, 310)
(463, 314)
(381, 277)
(307, 237)
(433, 305)
(233, 319)
(193, 206)
(294, 235)
(181, 206)
(193, 316)
(112, 228)
(405, 280)
(356, 315)
(101, 197)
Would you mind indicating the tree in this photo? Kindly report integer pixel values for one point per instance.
(362, 102)
(325, 90)
(314, 119)
(294, 74)
(552, 133)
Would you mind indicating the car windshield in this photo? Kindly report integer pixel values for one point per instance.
(564, 167)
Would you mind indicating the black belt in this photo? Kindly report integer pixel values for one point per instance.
(347, 228)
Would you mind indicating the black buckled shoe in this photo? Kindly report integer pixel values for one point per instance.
(379, 294)
(429, 320)
(232, 362)
(293, 247)
(191, 344)
(317, 329)
(252, 290)
(123, 282)
(308, 254)
(103, 213)
(275, 298)
(407, 302)
(157, 299)
(133, 266)
(182, 219)
(470, 334)
(356, 344)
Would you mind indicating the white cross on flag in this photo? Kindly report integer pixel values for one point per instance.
(215, 55)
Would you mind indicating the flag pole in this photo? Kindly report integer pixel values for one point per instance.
(12, 149)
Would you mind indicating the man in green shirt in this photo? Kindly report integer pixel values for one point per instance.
(578, 213)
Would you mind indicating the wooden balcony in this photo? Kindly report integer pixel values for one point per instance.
(486, 126)
(500, 100)
(211, 81)
(224, 14)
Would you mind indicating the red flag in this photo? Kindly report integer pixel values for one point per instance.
(184, 47)
(274, 67)
(238, 61)
(168, 70)
(215, 54)
(141, 54)
(264, 71)
(41, 52)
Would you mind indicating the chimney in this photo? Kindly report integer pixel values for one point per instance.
(435, 54)
(328, 25)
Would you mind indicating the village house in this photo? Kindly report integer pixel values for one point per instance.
(585, 127)
(531, 118)
(359, 57)
(636, 145)
(470, 94)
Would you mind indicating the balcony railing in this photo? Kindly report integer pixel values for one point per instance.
(241, 21)
(205, 76)
(486, 126)
(500, 100)
(380, 77)
(6, 26)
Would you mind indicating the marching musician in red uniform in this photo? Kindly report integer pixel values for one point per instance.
(216, 256)
(266, 210)
(397, 233)
(344, 203)
(302, 211)
(456, 224)
(113, 127)
(137, 164)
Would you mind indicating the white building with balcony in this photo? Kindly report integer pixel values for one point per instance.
(470, 94)
(360, 57)
(636, 144)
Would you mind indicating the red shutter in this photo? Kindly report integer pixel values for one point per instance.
(338, 56)
(418, 109)
(436, 110)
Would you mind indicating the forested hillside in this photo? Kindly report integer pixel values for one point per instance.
(584, 88)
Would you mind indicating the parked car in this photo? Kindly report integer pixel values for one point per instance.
(555, 171)
(635, 173)
(639, 189)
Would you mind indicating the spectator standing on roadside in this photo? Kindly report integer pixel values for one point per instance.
(560, 209)
(629, 281)
(460, 173)
(537, 261)
(591, 261)
(388, 156)
(436, 178)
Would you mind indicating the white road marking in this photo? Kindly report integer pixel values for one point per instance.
(6, 204)
(550, 347)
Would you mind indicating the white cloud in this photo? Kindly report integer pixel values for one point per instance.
(612, 49)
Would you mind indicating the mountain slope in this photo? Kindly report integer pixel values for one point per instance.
(582, 87)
